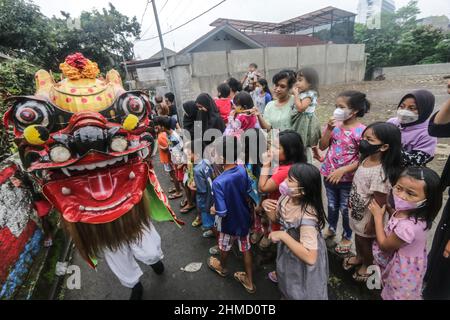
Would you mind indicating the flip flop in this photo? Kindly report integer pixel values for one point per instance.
(273, 276)
(213, 260)
(172, 190)
(239, 276)
(361, 277)
(346, 265)
(197, 222)
(188, 209)
(183, 203)
(175, 196)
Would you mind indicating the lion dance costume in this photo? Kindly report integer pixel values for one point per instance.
(86, 142)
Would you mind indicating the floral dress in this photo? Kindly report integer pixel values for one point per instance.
(402, 271)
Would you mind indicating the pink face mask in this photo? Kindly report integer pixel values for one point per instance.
(403, 205)
(289, 192)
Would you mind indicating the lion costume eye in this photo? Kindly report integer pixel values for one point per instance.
(133, 104)
(31, 113)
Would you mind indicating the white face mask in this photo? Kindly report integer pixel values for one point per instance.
(406, 116)
(342, 114)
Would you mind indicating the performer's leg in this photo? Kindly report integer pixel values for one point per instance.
(148, 250)
(123, 265)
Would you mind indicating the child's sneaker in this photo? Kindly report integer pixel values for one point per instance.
(214, 250)
(208, 234)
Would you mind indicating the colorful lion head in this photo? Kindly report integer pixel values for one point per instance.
(85, 139)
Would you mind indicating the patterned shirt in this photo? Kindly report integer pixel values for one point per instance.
(343, 150)
(311, 94)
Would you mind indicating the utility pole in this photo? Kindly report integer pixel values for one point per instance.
(161, 41)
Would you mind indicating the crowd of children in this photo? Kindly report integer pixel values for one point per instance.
(374, 177)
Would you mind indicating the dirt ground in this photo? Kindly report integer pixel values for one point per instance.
(384, 97)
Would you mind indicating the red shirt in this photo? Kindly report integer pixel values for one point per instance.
(224, 106)
(279, 175)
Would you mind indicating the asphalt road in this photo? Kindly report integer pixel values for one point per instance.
(180, 247)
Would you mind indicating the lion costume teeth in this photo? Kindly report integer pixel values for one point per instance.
(86, 141)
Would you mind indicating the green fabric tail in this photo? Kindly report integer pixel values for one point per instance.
(158, 210)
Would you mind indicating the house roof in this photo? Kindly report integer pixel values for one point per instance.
(306, 21)
(285, 40)
(153, 61)
(228, 29)
(159, 54)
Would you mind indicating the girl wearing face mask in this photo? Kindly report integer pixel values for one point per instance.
(413, 114)
(261, 95)
(342, 137)
(302, 261)
(379, 167)
(400, 249)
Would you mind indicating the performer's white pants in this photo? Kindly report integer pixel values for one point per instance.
(122, 261)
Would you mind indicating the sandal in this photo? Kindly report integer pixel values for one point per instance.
(183, 203)
(197, 222)
(346, 265)
(343, 248)
(214, 264)
(172, 190)
(273, 276)
(187, 209)
(175, 196)
(361, 277)
(240, 276)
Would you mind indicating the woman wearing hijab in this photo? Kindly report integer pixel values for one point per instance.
(190, 116)
(413, 113)
(208, 114)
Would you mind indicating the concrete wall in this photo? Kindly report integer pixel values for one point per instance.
(411, 71)
(203, 71)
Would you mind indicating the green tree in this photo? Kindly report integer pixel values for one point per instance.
(25, 31)
(105, 37)
(400, 41)
(16, 78)
(417, 45)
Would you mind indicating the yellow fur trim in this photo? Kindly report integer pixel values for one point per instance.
(131, 122)
(35, 135)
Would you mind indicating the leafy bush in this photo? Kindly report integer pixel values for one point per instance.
(16, 78)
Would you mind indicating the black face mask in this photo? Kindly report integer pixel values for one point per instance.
(366, 149)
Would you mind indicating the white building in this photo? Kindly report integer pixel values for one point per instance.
(369, 11)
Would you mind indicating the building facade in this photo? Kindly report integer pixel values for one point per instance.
(369, 11)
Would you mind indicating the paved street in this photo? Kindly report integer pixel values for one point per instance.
(180, 247)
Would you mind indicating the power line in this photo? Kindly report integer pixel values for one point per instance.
(153, 22)
(187, 22)
(145, 10)
(163, 7)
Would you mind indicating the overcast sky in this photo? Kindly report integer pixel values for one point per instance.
(177, 12)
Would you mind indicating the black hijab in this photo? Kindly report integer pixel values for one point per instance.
(210, 119)
(190, 115)
(425, 105)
